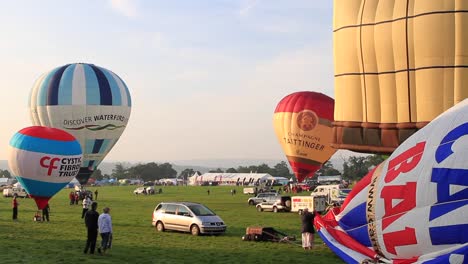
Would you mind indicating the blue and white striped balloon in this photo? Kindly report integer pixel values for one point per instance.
(90, 102)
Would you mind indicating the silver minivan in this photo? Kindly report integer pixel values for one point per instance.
(187, 217)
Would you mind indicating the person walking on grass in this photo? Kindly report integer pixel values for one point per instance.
(105, 228)
(91, 222)
(14, 205)
(308, 231)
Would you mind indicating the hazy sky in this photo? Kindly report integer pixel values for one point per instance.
(205, 76)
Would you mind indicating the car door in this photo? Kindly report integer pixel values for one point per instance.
(170, 220)
(183, 218)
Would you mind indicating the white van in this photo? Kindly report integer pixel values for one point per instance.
(332, 192)
(317, 203)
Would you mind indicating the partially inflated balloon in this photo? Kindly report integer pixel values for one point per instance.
(413, 207)
(89, 102)
(44, 160)
(302, 123)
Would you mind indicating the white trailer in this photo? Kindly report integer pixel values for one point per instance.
(313, 203)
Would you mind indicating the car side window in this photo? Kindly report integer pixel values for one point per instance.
(171, 209)
(182, 210)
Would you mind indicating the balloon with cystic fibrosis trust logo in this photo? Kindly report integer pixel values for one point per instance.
(44, 160)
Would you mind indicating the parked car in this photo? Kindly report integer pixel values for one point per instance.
(275, 204)
(261, 197)
(19, 192)
(187, 217)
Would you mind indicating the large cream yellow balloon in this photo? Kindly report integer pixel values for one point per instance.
(398, 65)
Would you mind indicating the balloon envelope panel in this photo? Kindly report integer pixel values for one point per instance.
(302, 123)
(392, 74)
(90, 102)
(414, 205)
(44, 160)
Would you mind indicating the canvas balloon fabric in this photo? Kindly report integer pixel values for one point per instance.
(90, 102)
(413, 207)
(302, 122)
(44, 160)
(398, 65)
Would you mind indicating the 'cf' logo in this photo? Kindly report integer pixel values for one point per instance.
(51, 165)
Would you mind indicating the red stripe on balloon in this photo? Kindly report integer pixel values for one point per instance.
(321, 104)
(47, 133)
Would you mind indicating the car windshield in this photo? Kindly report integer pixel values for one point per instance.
(200, 210)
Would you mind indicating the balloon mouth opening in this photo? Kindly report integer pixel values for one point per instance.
(41, 201)
(83, 175)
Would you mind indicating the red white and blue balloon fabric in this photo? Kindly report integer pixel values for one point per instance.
(413, 207)
(44, 160)
(89, 102)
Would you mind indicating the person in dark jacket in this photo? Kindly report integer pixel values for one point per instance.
(91, 221)
(45, 213)
(308, 230)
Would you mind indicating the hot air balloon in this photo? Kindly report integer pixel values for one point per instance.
(398, 65)
(302, 123)
(91, 103)
(413, 207)
(44, 160)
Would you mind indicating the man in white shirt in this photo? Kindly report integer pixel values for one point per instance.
(86, 204)
(105, 228)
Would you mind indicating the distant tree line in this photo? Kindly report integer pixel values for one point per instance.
(354, 168)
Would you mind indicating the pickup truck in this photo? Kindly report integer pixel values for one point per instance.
(9, 192)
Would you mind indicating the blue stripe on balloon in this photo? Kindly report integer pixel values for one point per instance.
(40, 188)
(97, 145)
(104, 87)
(438, 210)
(93, 96)
(116, 96)
(53, 87)
(104, 146)
(42, 145)
(66, 86)
(355, 217)
(446, 257)
(129, 98)
(42, 93)
(338, 251)
(449, 235)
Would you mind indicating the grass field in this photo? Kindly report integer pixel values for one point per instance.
(135, 241)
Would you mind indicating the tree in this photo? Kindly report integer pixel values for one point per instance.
(375, 160)
(5, 174)
(281, 170)
(97, 174)
(185, 174)
(231, 170)
(355, 168)
(327, 169)
(218, 170)
(119, 171)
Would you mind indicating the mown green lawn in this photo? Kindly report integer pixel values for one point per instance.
(135, 241)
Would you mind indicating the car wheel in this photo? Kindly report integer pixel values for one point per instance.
(275, 209)
(251, 202)
(259, 209)
(195, 230)
(160, 227)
